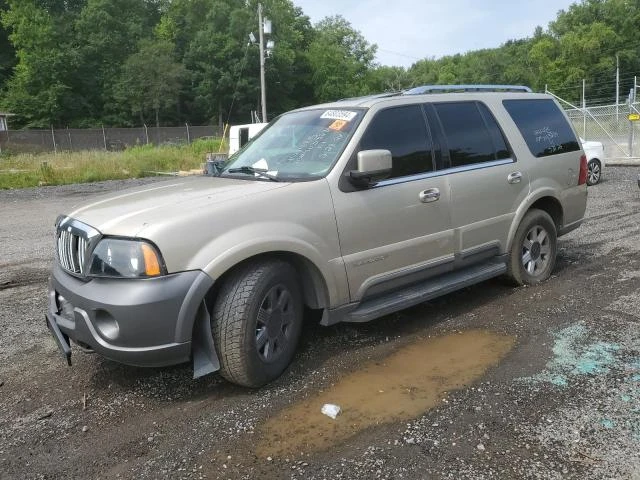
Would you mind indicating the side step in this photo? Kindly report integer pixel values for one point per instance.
(434, 287)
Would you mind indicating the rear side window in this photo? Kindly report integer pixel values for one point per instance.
(543, 126)
(471, 132)
(402, 131)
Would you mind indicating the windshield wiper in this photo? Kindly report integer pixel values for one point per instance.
(261, 172)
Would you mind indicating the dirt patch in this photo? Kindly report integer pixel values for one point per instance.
(401, 387)
(23, 277)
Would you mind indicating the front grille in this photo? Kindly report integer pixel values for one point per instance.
(74, 241)
(71, 252)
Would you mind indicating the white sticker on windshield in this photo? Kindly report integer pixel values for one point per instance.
(339, 115)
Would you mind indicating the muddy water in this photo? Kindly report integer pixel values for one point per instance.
(400, 387)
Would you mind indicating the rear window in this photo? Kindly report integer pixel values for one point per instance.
(543, 126)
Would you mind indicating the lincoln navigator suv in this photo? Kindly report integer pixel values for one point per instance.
(356, 209)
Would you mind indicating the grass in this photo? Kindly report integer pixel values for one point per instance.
(29, 170)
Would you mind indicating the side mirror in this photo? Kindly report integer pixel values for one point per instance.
(373, 166)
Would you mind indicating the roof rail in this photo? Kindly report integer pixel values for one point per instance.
(466, 88)
(371, 97)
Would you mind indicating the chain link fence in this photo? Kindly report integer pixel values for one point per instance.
(610, 125)
(109, 139)
(613, 125)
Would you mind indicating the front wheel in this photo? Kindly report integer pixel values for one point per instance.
(256, 322)
(533, 252)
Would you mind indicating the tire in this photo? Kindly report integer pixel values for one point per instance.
(594, 172)
(533, 252)
(256, 322)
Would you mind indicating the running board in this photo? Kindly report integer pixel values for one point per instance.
(427, 290)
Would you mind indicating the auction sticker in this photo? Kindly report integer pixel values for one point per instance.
(345, 115)
(338, 125)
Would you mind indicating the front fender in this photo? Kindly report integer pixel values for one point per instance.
(224, 252)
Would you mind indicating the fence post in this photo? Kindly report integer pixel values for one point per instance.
(146, 133)
(70, 143)
(188, 136)
(584, 110)
(104, 138)
(53, 136)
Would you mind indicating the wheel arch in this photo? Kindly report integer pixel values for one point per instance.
(314, 286)
(543, 201)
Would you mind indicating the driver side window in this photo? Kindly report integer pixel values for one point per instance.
(402, 131)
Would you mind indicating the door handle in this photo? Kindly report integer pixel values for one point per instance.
(515, 177)
(430, 195)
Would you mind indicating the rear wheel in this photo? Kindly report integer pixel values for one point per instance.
(594, 171)
(256, 322)
(533, 252)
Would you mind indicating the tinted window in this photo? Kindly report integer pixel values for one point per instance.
(467, 135)
(497, 137)
(543, 126)
(403, 132)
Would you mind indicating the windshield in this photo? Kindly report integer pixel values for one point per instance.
(296, 146)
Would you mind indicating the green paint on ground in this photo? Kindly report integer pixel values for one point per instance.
(574, 356)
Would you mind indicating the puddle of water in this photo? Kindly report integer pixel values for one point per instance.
(398, 388)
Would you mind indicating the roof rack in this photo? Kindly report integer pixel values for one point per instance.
(371, 97)
(466, 88)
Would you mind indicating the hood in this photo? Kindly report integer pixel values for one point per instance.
(126, 213)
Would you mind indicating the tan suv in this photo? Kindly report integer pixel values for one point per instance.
(357, 208)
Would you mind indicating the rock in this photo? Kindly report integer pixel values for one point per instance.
(46, 414)
(85, 429)
(480, 447)
(330, 410)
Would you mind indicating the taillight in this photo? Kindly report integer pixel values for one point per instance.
(582, 178)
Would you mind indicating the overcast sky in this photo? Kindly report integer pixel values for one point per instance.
(409, 30)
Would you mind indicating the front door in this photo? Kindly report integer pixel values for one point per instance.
(398, 231)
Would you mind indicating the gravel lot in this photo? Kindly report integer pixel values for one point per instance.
(489, 382)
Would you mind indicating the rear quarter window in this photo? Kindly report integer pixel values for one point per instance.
(543, 126)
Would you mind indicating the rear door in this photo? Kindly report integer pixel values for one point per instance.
(487, 182)
(553, 144)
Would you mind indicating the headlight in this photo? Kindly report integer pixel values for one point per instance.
(115, 257)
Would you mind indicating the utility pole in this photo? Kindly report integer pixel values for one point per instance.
(263, 88)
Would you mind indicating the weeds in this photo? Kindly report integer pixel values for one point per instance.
(29, 170)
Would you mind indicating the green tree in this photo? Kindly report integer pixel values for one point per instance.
(7, 53)
(389, 79)
(107, 32)
(340, 59)
(150, 81)
(41, 90)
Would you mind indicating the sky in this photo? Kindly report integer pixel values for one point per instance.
(410, 30)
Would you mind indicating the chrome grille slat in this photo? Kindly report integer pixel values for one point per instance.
(82, 248)
(72, 253)
(72, 250)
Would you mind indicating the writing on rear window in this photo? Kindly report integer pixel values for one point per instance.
(543, 126)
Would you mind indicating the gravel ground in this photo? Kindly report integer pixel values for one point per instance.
(560, 398)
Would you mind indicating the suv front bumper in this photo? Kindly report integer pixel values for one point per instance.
(141, 322)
